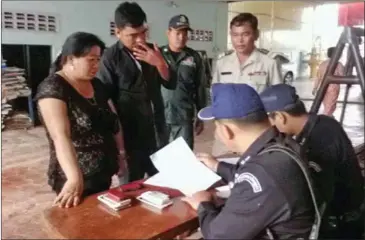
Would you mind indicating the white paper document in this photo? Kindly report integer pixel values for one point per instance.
(180, 169)
(232, 160)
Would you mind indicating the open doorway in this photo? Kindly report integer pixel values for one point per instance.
(35, 60)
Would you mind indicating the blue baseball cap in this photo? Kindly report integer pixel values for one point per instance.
(232, 101)
(279, 97)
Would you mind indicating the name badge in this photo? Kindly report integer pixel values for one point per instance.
(257, 73)
(226, 73)
(188, 62)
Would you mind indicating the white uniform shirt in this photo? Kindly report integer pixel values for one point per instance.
(258, 71)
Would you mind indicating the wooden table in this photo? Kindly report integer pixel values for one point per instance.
(91, 220)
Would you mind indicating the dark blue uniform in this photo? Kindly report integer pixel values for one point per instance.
(268, 191)
(338, 175)
(336, 171)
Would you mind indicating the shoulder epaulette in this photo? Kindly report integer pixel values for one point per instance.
(225, 53)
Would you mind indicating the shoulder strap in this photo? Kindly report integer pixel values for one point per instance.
(293, 155)
(302, 137)
(226, 53)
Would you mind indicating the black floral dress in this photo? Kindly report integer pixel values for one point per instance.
(93, 126)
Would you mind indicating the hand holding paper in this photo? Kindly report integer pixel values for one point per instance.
(208, 160)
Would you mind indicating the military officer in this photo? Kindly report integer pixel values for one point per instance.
(184, 93)
(269, 191)
(245, 64)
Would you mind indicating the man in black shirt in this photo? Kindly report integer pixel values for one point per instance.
(332, 157)
(269, 193)
(132, 70)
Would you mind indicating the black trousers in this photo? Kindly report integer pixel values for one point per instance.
(337, 229)
(185, 130)
(352, 229)
(139, 163)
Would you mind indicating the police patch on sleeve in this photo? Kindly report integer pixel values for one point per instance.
(251, 179)
(226, 53)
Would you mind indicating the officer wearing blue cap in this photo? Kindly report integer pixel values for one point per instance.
(270, 195)
(337, 172)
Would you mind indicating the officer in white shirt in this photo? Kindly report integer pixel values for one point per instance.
(245, 64)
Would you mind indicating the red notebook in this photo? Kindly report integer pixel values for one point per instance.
(136, 188)
(125, 191)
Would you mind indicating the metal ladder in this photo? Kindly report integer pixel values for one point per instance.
(350, 36)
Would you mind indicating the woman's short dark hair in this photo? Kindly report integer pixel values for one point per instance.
(243, 18)
(56, 65)
(129, 14)
(77, 44)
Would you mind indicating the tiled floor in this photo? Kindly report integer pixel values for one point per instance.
(24, 187)
(25, 192)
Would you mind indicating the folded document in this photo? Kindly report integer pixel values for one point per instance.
(155, 199)
(112, 203)
(180, 169)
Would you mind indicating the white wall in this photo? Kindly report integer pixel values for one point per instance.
(94, 17)
(289, 28)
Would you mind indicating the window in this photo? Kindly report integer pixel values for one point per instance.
(29, 21)
(111, 28)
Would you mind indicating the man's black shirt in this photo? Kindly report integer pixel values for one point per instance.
(136, 94)
(339, 176)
